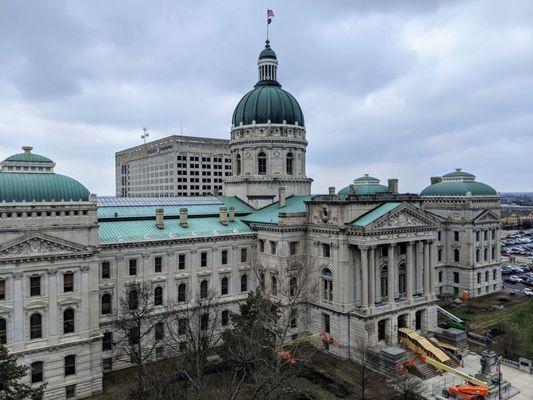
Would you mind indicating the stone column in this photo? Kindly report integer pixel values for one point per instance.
(391, 271)
(419, 266)
(426, 269)
(372, 277)
(409, 271)
(84, 320)
(52, 302)
(172, 266)
(18, 297)
(432, 262)
(357, 267)
(364, 276)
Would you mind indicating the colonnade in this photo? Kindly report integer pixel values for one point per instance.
(370, 279)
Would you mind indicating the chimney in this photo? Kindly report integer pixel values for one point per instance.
(435, 179)
(184, 219)
(223, 215)
(331, 190)
(231, 214)
(281, 197)
(159, 218)
(393, 185)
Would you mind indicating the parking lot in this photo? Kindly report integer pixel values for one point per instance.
(518, 244)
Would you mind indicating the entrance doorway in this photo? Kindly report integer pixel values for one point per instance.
(402, 321)
(382, 330)
(418, 320)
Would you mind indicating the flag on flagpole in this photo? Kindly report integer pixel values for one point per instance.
(270, 15)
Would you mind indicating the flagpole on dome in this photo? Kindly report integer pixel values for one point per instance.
(270, 15)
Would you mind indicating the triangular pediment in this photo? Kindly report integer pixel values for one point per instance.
(403, 216)
(39, 245)
(486, 216)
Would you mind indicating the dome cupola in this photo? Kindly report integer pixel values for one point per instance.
(267, 102)
(365, 185)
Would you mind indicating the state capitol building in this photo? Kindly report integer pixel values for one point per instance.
(379, 257)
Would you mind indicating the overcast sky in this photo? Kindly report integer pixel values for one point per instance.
(405, 89)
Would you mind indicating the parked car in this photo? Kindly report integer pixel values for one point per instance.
(527, 292)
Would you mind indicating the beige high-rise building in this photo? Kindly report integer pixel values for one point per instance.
(173, 166)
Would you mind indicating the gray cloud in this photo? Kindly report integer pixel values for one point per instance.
(404, 89)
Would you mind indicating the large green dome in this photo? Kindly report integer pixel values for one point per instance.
(365, 185)
(29, 177)
(268, 102)
(459, 183)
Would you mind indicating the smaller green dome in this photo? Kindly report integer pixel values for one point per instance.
(28, 156)
(365, 185)
(267, 52)
(459, 183)
(28, 187)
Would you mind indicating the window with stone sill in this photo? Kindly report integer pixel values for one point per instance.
(68, 282)
(181, 261)
(244, 255)
(158, 264)
(3, 331)
(35, 286)
(2, 289)
(36, 372)
(70, 365)
(224, 257)
(106, 270)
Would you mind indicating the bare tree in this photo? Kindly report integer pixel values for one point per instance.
(405, 386)
(367, 381)
(194, 333)
(140, 328)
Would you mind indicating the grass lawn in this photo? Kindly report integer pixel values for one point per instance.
(481, 315)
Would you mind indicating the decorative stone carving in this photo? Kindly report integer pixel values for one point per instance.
(401, 220)
(52, 272)
(35, 247)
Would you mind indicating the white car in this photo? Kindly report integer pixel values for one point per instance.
(527, 292)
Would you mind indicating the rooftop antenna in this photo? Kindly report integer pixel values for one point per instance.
(145, 135)
(181, 127)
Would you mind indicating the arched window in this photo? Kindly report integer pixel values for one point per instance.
(477, 255)
(224, 286)
(456, 255)
(238, 164)
(133, 299)
(182, 292)
(262, 164)
(289, 164)
(158, 296)
(384, 281)
(402, 279)
(262, 281)
(244, 283)
(274, 285)
(68, 320)
(327, 284)
(106, 304)
(293, 286)
(3, 331)
(203, 289)
(36, 326)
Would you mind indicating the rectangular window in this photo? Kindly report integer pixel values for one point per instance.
(107, 364)
(225, 318)
(106, 270)
(70, 391)
(35, 286)
(456, 277)
(273, 247)
(159, 352)
(293, 248)
(2, 289)
(477, 236)
(326, 250)
(37, 372)
(440, 276)
(181, 261)
(107, 341)
(70, 365)
(244, 255)
(68, 282)
(182, 326)
(326, 323)
(204, 321)
(158, 264)
(439, 236)
(203, 259)
(224, 257)
(439, 255)
(133, 266)
(485, 235)
(456, 236)
(261, 245)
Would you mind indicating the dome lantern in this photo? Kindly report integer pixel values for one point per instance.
(267, 64)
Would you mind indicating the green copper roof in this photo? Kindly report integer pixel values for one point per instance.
(29, 187)
(270, 214)
(365, 185)
(459, 183)
(145, 230)
(267, 52)
(268, 102)
(459, 189)
(29, 157)
(374, 214)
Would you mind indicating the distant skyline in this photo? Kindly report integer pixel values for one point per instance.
(407, 90)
